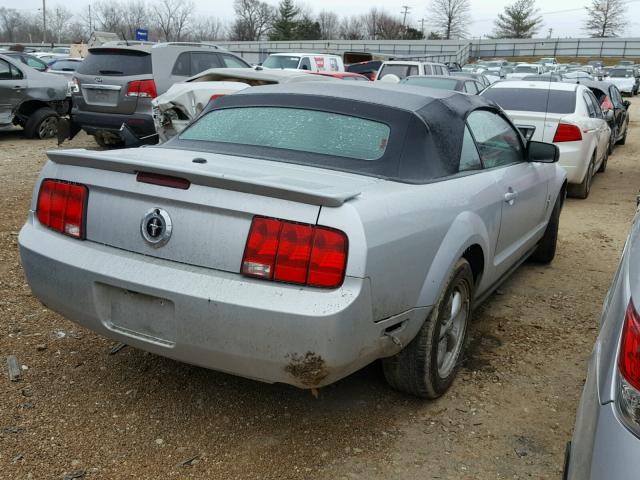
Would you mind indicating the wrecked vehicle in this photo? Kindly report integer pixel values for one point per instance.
(31, 99)
(175, 109)
(295, 233)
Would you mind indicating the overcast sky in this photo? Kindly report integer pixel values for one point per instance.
(565, 17)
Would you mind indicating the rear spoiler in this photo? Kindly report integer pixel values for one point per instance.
(268, 185)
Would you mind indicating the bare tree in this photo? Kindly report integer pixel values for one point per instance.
(329, 25)
(134, 16)
(11, 22)
(352, 28)
(371, 21)
(107, 16)
(253, 20)
(172, 18)
(606, 18)
(210, 28)
(450, 17)
(59, 19)
(389, 27)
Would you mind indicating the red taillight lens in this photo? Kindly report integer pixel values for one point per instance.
(216, 96)
(142, 88)
(295, 253)
(567, 133)
(61, 207)
(606, 104)
(629, 359)
(328, 258)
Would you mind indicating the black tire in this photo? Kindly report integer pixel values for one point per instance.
(415, 369)
(603, 165)
(43, 123)
(623, 140)
(546, 250)
(612, 142)
(582, 190)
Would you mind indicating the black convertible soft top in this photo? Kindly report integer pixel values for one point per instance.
(426, 125)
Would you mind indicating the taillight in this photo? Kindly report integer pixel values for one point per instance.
(216, 96)
(74, 85)
(295, 253)
(606, 104)
(628, 399)
(142, 88)
(567, 133)
(61, 207)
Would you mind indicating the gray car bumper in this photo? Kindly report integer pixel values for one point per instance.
(602, 447)
(270, 332)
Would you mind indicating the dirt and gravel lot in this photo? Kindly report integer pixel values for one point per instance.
(80, 412)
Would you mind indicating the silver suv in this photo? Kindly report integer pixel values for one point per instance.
(116, 82)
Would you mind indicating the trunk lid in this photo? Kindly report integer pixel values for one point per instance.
(538, 126)
(210, 220)
(104, 76)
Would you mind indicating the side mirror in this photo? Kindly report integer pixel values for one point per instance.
(542, 152)
(626, 104)
(608, 116)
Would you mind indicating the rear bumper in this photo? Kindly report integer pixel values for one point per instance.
(94, 122)
(574, 159)
(270, 332)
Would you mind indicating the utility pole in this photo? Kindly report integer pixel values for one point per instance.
(44, 21)
(422, 20)
(405, 11)
(90, 19)
(550, 32)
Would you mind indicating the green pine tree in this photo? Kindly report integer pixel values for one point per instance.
(284, 25)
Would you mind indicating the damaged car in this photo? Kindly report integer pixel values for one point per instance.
(296, 233)
(31, 99)
(178, 106)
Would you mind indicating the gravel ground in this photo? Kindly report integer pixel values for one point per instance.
(80, 412)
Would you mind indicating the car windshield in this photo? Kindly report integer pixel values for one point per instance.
(279, 61)
(295, 129)
(620, 73)
(533, 99)
(525, 69)
(65, 65)
(433, 82)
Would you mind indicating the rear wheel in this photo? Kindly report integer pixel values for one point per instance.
(623, 140)
(582, 189)
(43, 123)
(603, 165)
(546, 250)
(427, 366)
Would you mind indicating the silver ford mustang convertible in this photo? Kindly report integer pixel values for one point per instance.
(296, 233)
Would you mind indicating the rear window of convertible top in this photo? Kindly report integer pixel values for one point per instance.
(295, 129)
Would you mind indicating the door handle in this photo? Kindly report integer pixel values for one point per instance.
(17, 87)
(510, 196)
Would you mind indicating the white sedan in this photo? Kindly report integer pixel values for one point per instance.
(568, 115)
(525, 70)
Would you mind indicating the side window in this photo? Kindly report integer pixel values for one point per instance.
(15, 73)
(589, 103)
(35, 63)
(498, 143)
(470, 87)
(469, 158)
(5, 71)
(232, 62)
(596, 104)
(201, 61)
(617, 99)
(182, 65)
(305, 63)
(412, 70)
(437, 70)
(428, 70)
